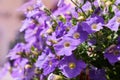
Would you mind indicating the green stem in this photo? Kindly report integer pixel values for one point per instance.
(79, 7)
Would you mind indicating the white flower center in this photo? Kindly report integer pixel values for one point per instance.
(94, 26)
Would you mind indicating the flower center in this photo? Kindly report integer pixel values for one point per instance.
(76, 35)
(118, 19)
(72, 65)
(67, 44)
(94, 26)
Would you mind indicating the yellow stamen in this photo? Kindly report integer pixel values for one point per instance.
(72, 65)
(76, 35)
(94, 26)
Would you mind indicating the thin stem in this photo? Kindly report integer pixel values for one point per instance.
(79, 7)
(93, 6)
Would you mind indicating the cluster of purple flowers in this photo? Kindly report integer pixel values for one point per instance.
(53, 39)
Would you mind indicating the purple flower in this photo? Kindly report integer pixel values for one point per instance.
(113, 54)
(91, 42)
(51, 39)
(61, 29)
(66, 46)
(29, 73)
(95, 23)
(71, 67)
(97, 74)
(77, 33)
(117, 2)
(41, 60)
(62, 10)
(50, 65)
(18, 68)
(5, 70)
(19, 50)
(87, 6)
(47, 61)
(13, 54)
(114, 23)
(31, 34)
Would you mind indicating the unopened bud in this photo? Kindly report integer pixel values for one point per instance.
(107, 3)
(81, 18)
(27, 66)
(54, 77)
(49, 31)
(34, 52)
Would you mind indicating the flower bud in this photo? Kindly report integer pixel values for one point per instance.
(81, 18)
(54, 77)
(27, 66)
(49, 31)
(107, 3)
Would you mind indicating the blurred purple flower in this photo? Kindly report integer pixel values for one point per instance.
(113, 54)
(71, 67)
(97, 74)
(19, 48)
(114, 23)
(50, 65)
(18, 68)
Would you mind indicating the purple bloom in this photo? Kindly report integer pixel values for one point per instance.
(50, 65)
(51, 39)
(60, 30)
(77, 33)
(17, 49)
(117, 2)
(71, 67)
(113, 54)
(41, 60)
(29, 73)
(47, 61)
(62, 10)
(114, 23)
(18, 68)
(95, 23)
(5, 70)
(97, 74)
(87, 6)
(66, 46)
